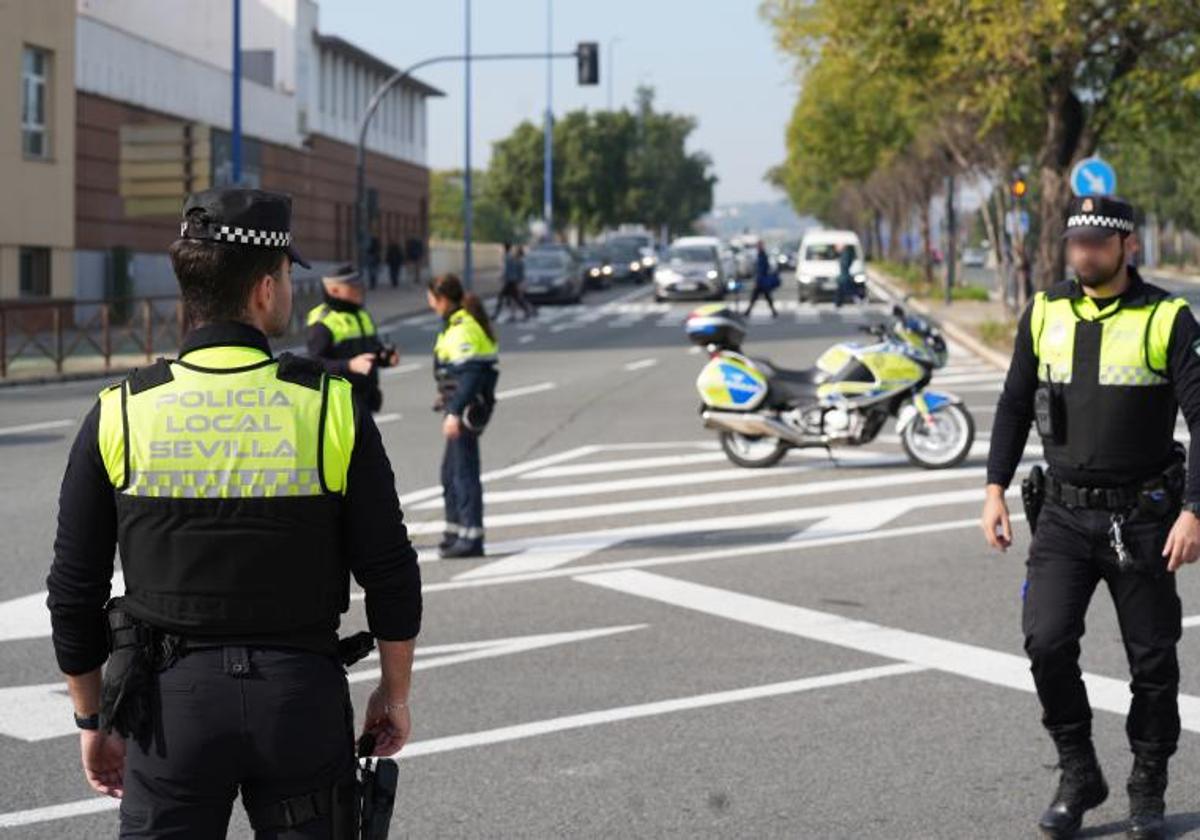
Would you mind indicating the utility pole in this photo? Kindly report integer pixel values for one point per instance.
(235, 145)
(548, 131)
(468, 208)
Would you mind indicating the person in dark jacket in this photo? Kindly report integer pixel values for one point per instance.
(395, 262)
(765, 281)
(845, 282)
(343, 337)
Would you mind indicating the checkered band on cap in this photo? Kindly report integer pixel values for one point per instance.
(1091, 220)
(247, 236)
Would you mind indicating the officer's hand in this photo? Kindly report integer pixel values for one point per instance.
(104, 761)
(362, 363)
(451, 426)
(394, 358)
(997, 529)
(1183, 543)
(389, 721)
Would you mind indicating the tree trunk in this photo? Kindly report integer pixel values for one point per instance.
(1051, 260)
(1061, 147)
(926, 234)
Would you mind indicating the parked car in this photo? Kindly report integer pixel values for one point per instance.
(745, 254)
(817, 264)
(783, 256)
(554, 273)
(597, 266)
(691, 270)
(974, 258)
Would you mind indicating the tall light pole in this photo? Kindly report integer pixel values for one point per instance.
(548, 131)
(468, 209)
(612, 42)
(235, 134)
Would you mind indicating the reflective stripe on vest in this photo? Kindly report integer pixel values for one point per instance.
(463, 339)
(343, 326)
(230, 430)
(1133, 349)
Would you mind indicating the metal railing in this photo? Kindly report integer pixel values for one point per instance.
(145, 326)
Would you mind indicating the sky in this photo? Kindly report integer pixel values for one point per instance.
(712, 59)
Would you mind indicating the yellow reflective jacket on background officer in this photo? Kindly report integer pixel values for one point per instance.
(340, 328)
(464, 358)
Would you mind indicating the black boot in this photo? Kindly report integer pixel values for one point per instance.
(462, 548)
(449, 538)
(1147, 784)
(1080, 788)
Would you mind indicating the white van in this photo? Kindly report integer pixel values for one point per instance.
(817, 264)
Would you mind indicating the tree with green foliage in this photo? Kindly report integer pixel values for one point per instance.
(491, 222)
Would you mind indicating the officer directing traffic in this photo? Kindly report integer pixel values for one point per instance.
(465, 356)
(343, 337)
(1101, 364)
(242, 489)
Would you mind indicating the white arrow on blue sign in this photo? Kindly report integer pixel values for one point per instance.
(1093, 176)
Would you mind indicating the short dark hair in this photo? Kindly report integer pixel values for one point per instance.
(216, 278)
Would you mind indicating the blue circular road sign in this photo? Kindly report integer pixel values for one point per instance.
(1093, 176)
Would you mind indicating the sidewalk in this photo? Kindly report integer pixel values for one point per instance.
(387, 305)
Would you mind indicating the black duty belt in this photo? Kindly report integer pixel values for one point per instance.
(1092, 498)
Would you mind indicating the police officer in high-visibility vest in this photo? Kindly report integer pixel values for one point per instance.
(343, 337)
(464, 363)
(242, 490)
(1101, 364)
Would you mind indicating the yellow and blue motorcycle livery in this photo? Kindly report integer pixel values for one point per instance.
(761, 410)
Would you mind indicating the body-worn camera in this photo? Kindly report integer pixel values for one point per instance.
(1048, 413)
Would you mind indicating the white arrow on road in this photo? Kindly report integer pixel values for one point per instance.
(40, 712)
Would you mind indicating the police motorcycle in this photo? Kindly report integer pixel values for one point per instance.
(761, 410)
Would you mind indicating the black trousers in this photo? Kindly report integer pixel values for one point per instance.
(1069, 556)
(765, 293)
(271, 724)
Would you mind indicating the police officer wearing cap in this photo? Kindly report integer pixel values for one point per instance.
(343, 337)
(1101, 364)
(242, 490)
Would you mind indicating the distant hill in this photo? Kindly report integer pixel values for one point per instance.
(772, 219)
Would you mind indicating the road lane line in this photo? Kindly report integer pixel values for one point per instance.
(985, 665)
(380, 419)
(640, 364)
(525, 339)
(524, 390)
(36, 427)
(626, 464)
(506, 472)
(533, 729)
(399, 370)
(739, 497)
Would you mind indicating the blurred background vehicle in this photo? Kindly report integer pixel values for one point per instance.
(554, 273)
(817, 264)
(691, 270)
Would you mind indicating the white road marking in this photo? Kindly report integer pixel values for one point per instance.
(380, 419)
(1192, 621)
(739, 497)
(525, 390)
(27, 617)
(640, 364)
(967, 379)
(399, 370)
(542, 553)
(626, 464)
(972, 661)
(533, 729)
(36, 427)
(525, 339)
(453, 654)
(506, 472)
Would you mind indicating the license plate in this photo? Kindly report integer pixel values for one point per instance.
(687, 287)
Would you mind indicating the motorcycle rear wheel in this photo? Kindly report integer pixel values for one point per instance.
(752, 452)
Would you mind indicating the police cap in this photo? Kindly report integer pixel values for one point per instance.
(254, 218)
(1098, 216)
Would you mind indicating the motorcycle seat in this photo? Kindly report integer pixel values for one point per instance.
(791, 385)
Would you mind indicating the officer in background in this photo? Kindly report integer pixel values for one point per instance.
(464, 365)
(342, 336)
(1102, 363)
(242, 489)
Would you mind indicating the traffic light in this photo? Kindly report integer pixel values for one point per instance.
(588, 56)
(1019, 188)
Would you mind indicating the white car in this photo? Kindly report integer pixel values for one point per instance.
(691, 269)
(817, 266)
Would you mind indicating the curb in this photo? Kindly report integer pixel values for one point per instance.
(889, 290)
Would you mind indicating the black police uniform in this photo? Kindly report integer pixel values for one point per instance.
(233, 592)
(1112, 492)
(334, 341)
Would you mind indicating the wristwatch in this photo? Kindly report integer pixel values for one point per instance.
(1193, 508)
(91, 722)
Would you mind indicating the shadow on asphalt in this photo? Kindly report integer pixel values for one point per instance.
(25, 439)
(1178, 825)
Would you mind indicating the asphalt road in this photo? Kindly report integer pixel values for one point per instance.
(661, 644)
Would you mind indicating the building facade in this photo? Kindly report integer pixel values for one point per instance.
(37, 148)
(147, 98)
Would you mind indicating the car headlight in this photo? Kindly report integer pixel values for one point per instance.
(606, 270)
(805, 278)
(594, 272)
(860, 278)
(647, 261)
(713, 274)
(634, 266)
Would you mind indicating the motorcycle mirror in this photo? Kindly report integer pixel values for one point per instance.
(898, 310)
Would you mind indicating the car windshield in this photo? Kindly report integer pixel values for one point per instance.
(594, 254)
(824, 251)
(691, 254)
(631, 242)
(545, 262)
(624, 252)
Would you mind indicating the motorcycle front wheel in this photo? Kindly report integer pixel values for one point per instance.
(752, 451)
(943, 442)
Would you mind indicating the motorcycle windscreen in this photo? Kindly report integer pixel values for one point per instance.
(731, 381)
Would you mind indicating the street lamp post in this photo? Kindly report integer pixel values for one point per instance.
(612, 42)
(235, 133)
(548, 131)
(468, 208)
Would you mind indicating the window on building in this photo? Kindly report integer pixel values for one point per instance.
(35, 77)
(34, 271)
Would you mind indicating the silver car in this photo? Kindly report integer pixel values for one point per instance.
(690, 272)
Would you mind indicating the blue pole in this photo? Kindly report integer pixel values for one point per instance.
(235, 150)
(468, 262)
(548, 132)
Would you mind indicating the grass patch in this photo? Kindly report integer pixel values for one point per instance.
(997, 334)
(911, 277)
